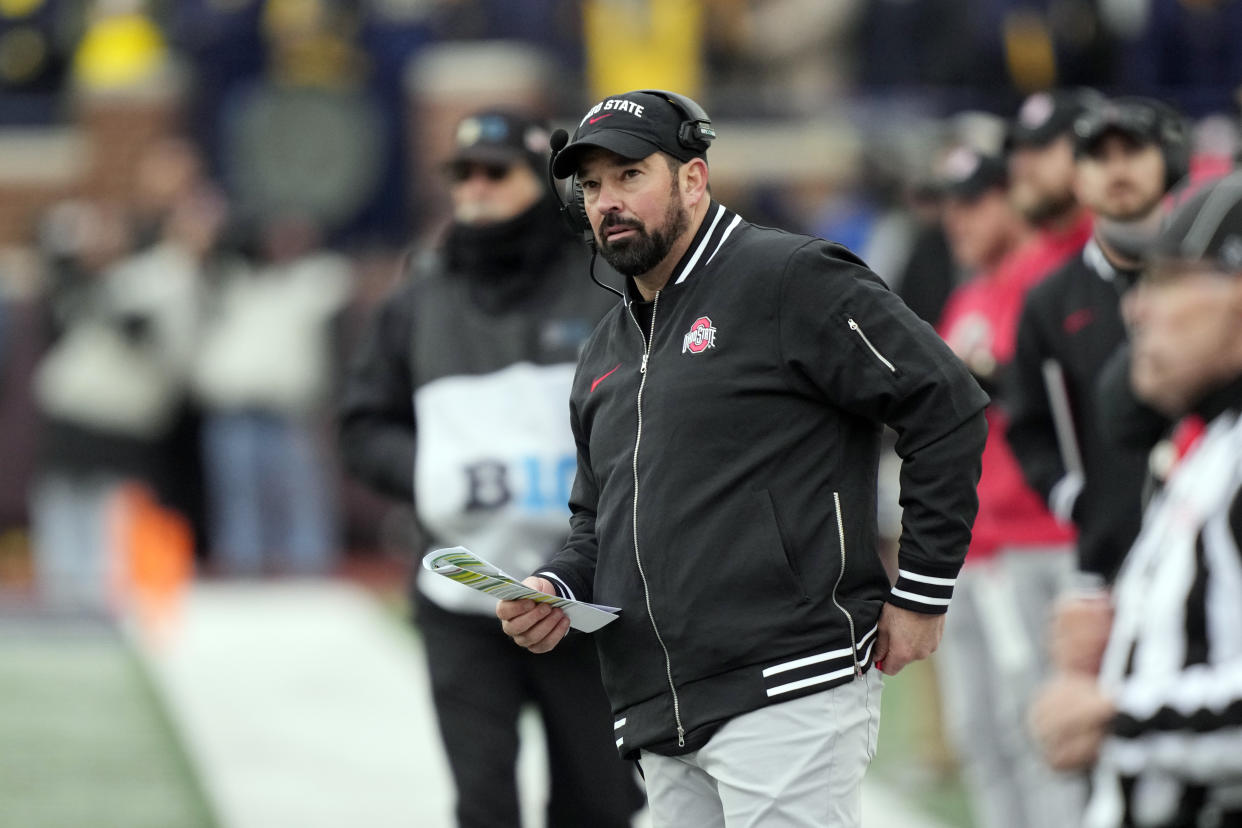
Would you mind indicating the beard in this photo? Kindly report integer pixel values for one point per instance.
(1048, 206)
(642, 252)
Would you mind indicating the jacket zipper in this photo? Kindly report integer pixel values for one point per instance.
(854, 326)
(836, 502)
(642, 384)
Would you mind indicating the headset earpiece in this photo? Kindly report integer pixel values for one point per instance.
(1175, 140)
(695, 132)
(574, 210)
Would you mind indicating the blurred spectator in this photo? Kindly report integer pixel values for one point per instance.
(456, 401)
(306, 137)
(170, 179)
(1130, 152)
(263, 377)
(111, 386)
(929, 272)
(1019, 558)
(793, 56)
(122, 47)
(34, 51)
(1041, 167)
(1161, 721)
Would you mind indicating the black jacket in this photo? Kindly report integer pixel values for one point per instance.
(726, 485)
(1074, 319)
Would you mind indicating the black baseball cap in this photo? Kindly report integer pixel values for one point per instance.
(966, 173)
(500, 136)
(1205, 225)
(1143, 120)
(1045, 116)
(632, 125)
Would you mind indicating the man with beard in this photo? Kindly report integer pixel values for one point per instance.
(728, 415)
(1129, 153)
(456, 400)
(1040, 145)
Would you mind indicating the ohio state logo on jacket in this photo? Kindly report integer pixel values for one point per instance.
(701, 337)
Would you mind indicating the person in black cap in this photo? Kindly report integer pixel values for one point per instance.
(1129, 153)
(456, 400)
(1020, 558)
(1161, 721)
(728, 413)
(1040, 147)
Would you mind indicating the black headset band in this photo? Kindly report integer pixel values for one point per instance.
(688, 108)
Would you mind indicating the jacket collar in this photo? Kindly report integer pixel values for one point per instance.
(715, 229)
(1095, 259)
(1093, 256)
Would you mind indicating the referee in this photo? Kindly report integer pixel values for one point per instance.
(1163, 722)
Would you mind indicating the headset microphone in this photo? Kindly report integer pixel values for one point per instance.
(574, 212)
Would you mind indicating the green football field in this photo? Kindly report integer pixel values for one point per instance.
(83, 738)
(912, 757)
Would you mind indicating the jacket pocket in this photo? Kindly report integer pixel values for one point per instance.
(778, 552)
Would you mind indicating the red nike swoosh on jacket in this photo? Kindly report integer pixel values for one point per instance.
(598, 380)
(1078, 320)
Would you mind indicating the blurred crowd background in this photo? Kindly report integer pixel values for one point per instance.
(200, 200)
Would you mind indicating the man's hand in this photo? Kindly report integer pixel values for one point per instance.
(535, 626)
(1069, 719)
(905, 636)
(1079, 633)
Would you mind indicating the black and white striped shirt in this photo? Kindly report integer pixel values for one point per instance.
(1174, 660)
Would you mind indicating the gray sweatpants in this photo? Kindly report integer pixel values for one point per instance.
(797, 764)
(992, 657)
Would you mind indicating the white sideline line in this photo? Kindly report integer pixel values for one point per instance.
(304, 703)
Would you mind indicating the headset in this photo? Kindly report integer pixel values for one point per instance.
(1164, 124)
(1175, 142)
(694, 133)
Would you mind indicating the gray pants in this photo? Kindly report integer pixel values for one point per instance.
(992, 657)
(76, 556)
(797, 764)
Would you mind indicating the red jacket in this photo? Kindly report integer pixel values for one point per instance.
(980, 323)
